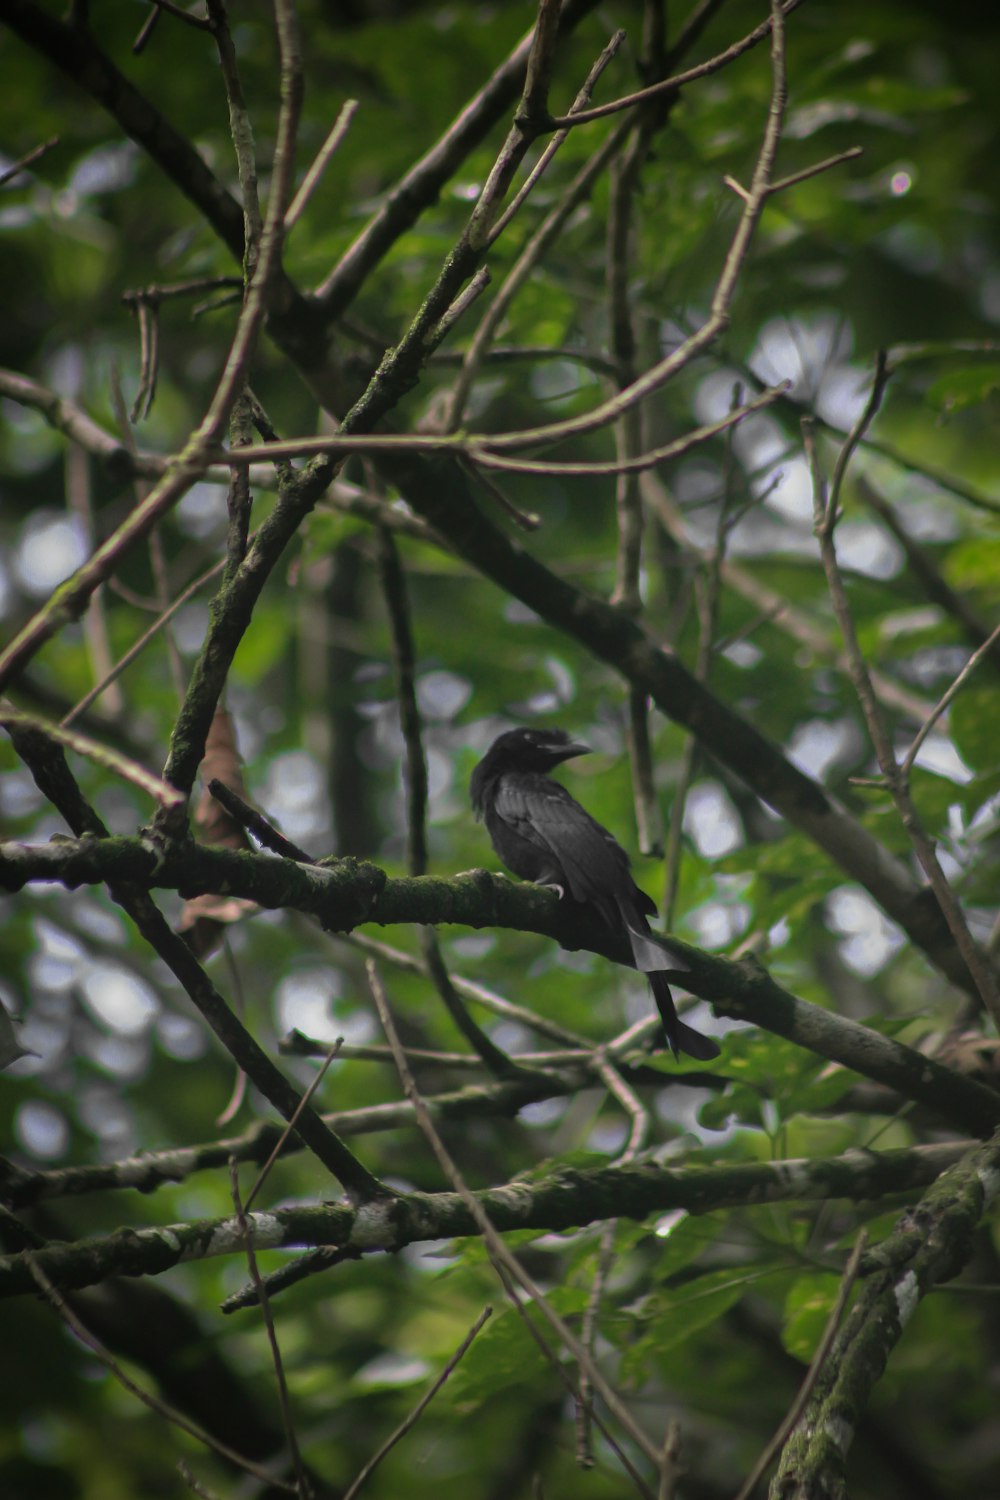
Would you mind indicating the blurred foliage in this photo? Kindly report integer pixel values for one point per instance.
(706, 1320)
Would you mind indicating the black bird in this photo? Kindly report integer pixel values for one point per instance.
(543, 834)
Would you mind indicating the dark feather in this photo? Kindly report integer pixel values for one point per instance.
(543, 834)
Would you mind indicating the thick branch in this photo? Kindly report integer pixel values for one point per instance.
(55, 780)
(438, 492)
(155, 1169)
(929, 1245)
(74, 52)
(422, 184)
(342, 894)
(566, 1199)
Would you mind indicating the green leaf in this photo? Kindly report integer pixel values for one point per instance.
(959, 389)
(505, 1356)
(808, 1305)
(974, 728)
(665, 1319)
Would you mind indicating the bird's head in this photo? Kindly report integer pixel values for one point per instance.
(523, 749)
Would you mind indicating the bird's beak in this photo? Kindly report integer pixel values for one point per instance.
(572, 750)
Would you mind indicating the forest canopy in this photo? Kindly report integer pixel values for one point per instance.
(376, 378)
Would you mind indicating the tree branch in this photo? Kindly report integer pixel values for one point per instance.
(564, 1200)
(54, 779)
(929, 1245)
(341, 894)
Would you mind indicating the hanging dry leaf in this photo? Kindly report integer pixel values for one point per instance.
(204, 917)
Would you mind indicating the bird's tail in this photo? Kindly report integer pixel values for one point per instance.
(650, 951)
(680, 1037)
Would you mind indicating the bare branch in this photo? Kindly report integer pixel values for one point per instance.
(324, 156)
(926, 571)
(154, 1403)
(28, 160)
(420, 186)
(413, 1417)
(946, 700)
(511, 1272)
(301, 1487)
(816, 1364)
(69, 599)
(102, 755)
(200, 23)
(667, 86)
(825, 506)
(851, 154)
(282, 1141)
(542, 164)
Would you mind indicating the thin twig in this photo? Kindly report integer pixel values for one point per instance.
(820, 166)
(478, 993)
(149, 357)
(496, 1060)
(156, 553)
(413, 1417)
(195, 1485)
(237, 1094)
(138, 47)
(95, 622)
(404, 658)
(74, 423)
(264, 832)
(298, 1045)
(239, 497)
(103, 755)
(825, 510)
(279, 1146)
(492, 449)
(422, 183)
(863, 421)
(530, 118)
(542, 164)
(798, 1406)
(469, 294)
(200, 23)
(788, 617)
(241, 133)
(639, 1116)
(157, 292)
(509, 1268)
(523, 268)
(394, 592)
(947, 699)
(648, 819)
(143, 641)
(155, 1403)
(523, 520)
(324, 155)
(707, 594)
(302, 1488)
(666, 86)
(629, 430)
(28, 160)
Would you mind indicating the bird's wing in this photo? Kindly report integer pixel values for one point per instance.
(546, 836)
(543, 814)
